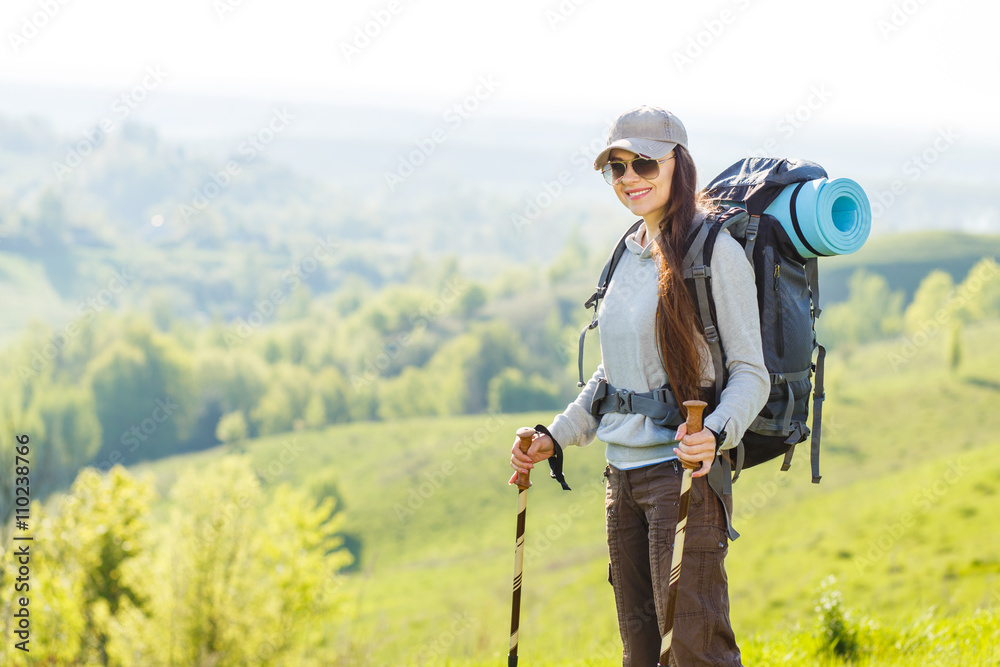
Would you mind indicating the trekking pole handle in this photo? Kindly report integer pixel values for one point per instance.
(694, 421)
(525, 433)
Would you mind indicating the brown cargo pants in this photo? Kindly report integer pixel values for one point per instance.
(642, 506)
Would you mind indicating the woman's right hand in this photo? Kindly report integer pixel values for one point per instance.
(541, 449)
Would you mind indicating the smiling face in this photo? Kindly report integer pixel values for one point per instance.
(645, 198)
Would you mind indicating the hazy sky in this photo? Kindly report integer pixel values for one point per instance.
(907, 64)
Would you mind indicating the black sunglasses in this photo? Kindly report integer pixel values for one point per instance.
(643, 167)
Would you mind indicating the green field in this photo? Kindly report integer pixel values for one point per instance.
(904, 519)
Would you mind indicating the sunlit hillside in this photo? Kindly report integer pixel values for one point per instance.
(901, 519)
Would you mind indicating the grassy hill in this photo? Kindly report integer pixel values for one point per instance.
(904, 518)
(905, 259)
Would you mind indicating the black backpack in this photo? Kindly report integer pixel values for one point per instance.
(788, 303)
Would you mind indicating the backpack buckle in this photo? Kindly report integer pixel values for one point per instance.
(701, 271)
(711, 333)
(624, 400)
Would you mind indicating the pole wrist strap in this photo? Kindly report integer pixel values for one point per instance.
(556, 460)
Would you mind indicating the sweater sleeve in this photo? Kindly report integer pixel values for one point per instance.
(748, 386)
(576, 426)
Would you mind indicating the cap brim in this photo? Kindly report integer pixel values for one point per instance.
(644, 147)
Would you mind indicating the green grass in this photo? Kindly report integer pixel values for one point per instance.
(429, 502)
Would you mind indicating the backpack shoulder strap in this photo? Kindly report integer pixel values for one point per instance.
(609, 268)
(602, 286)
(697, 271)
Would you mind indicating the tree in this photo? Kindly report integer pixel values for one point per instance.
(871, 311)
(472, 299)
(273, 414)
(329, 384)
(511, 391)
(234, 380)
(237, 576)
(931, 302)
(416, 392)
(979, 293)
(241, 577)
(143, 393)
(82, 578)
(462, 369)
(953, 347)
(315, 416)
(232, 427)
(73, 433)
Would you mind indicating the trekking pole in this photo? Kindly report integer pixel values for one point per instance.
(694, 410)
(525, 434)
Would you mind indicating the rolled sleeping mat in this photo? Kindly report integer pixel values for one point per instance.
(824, 217)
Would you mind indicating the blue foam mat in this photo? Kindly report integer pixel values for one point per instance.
(834, 216)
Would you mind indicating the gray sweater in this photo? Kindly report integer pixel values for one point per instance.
(631, 359)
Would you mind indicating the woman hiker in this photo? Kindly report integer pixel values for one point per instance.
(650, 331)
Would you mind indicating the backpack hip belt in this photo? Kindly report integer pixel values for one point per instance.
(658, 404)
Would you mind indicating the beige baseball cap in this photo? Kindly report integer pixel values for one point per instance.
(648, 131)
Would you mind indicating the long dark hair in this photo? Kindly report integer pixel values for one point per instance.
(678, 327)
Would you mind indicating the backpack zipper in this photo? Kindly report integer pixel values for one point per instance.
(781, 330)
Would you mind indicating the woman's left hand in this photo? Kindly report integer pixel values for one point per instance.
(696, 449)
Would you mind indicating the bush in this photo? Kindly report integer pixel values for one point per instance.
(837, 635)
